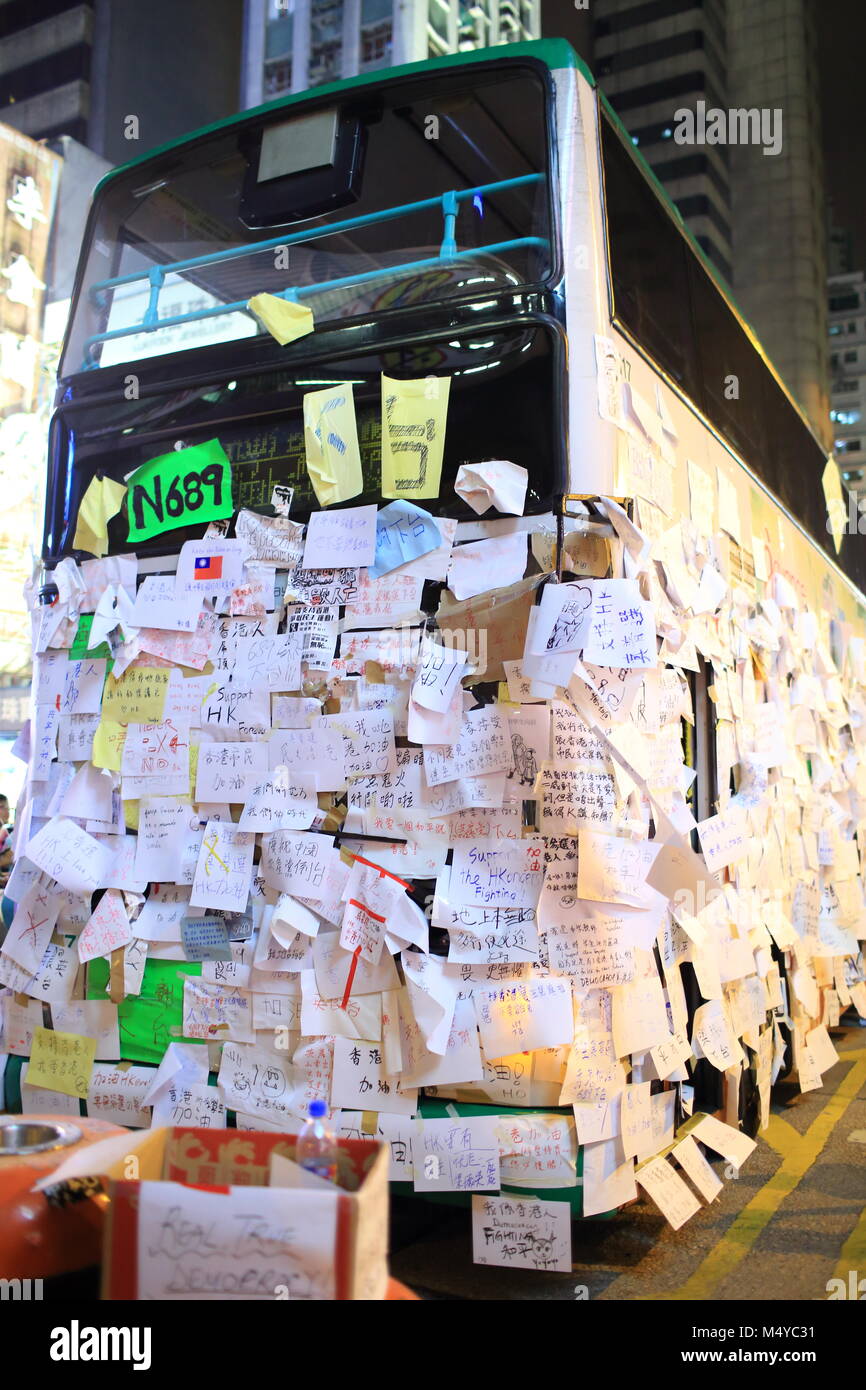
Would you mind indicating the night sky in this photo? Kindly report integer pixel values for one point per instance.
(841, 28)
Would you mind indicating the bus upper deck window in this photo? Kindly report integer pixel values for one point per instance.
(392, 197)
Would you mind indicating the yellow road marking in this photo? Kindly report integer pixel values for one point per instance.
(853, 1254)
(780, 1135)
(745, 1229)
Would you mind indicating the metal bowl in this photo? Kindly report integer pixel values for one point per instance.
(18, 1137)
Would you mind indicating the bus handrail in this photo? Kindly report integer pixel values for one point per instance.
(448, 251)
(240, 305)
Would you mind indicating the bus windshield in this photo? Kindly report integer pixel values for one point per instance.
(391, 196)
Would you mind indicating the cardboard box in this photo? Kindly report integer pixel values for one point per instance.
(191, 1216)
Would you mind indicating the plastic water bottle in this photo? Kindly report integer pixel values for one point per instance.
(317, 1148)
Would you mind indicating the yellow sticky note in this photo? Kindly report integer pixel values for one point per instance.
(108, 744)
(61, 1062)
(138, 697)
(331, 443)
(283, 318)
(837, 509)
(131, 812)
(413, 435)
(99, 504)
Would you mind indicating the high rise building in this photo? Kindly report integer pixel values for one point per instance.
(115, 75)
(846, 303)
(840, 247)
(46, 55)
(291, 45)
(779, 201)
(653, 59)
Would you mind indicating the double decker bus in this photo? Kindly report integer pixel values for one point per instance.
(668, 848)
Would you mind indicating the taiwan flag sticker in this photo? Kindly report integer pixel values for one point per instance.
(208, 567)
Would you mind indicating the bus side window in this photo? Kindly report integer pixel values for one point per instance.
(704, 791)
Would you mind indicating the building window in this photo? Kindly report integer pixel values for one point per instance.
(325, 62)
(53, 70)
(714, 254)
(852, 328)
(688, 84)
(376, 44)
(840, 302)
(689, 166)
(699, 205)
(851, 355)
(657, 51)
(278, 78)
